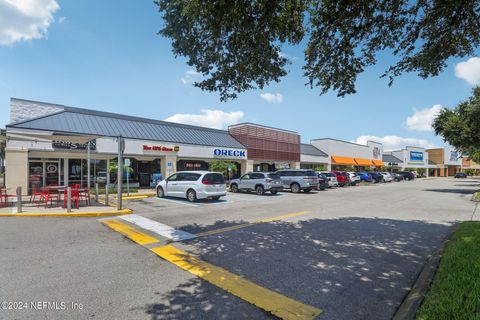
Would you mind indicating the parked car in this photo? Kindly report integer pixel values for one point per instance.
(354, 178)
(260, 182)
(332, 179)
(323, 182)
(342, 178)
(387, 177)
(299, 179)
(397, 177)
(365, 176)
(102, 177)
(193, 185)
(407, 175)
(460, 175)
(376, 177)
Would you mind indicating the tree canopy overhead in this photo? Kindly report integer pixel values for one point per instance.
(236, 45)
(460, 126)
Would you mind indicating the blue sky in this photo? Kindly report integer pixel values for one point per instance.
(106, 55)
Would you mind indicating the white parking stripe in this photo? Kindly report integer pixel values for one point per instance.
(157, 227)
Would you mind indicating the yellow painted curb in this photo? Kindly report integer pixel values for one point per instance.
(69, 214)
(271, 301)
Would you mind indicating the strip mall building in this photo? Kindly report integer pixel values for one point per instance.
(50, 144)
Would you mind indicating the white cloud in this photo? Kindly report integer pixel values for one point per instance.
(272, 97)
(395, 142)
(190, 76)
(62, 19)
(469, 71)
(25, 19)
(216, 119)
(421, 120)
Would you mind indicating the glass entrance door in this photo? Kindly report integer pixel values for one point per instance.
(43, 173)
(52, 173)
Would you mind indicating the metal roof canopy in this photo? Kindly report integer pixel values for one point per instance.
(72, 138)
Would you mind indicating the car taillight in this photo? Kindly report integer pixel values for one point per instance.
(206, 182)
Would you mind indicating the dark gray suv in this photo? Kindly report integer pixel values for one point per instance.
(299, 179)
(260, 182)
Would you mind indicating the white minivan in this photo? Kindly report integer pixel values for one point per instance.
(193, 185)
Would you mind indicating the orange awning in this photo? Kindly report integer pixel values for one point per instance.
(378, 163)
(343, 161)
(363, 162)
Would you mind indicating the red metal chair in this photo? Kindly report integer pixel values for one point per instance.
(85, 195)
(5, 196)
(47, 195)
(2, 199)
(75, 197)
(35, 192)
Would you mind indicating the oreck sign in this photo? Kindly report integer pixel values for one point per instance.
(416, 156)
(229, 153)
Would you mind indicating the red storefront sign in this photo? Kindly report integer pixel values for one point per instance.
(161, 148)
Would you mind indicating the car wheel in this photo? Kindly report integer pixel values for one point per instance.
(273, 192)
(191, 195)
(295, 187)
(234, 188)
(259, 190)
(307, 190)
(216, 198)
(160, 193)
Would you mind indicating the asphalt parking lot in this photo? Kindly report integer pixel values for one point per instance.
(351, 253)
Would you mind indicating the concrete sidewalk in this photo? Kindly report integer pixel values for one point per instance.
(32, 210)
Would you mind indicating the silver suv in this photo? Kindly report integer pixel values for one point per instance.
(299, 179)
(260, 182)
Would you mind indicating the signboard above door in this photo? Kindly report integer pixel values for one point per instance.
(66, 145)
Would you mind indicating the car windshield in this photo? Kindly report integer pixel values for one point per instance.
(329, 174)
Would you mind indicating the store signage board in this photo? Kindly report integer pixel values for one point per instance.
(160, 148)
(127, 162)
(229, 153)
(416, 156)
(59, 144)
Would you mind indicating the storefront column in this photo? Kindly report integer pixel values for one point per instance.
(16, 171)
(295, 165)
(248, 167)
(65, 172)
(243, 166)
(168, 166)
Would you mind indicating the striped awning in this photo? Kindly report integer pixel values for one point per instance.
(377, 163)
(343, 161)
(363, 162)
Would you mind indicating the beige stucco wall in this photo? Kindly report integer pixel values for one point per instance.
(166, 170)
(16, 169)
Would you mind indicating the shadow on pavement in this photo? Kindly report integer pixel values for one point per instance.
(459, 191)
(351, 268)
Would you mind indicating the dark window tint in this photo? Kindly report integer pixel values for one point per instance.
(310, 174)
(284, 173)
(273, 176)
(329, 174)
(257, 176)
(214, 178)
